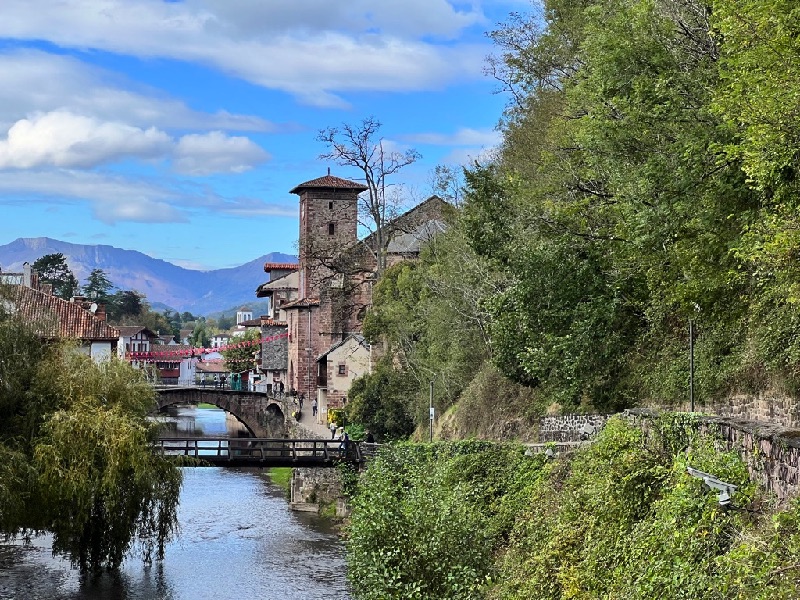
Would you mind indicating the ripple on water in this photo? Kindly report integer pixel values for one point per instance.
(237, 540)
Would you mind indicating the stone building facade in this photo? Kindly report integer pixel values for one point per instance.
(335, 275)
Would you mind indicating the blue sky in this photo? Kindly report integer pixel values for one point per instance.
(177, 128)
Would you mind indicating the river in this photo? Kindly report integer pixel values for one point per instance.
(237, 539)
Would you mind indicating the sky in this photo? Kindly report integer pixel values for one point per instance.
(177, 128)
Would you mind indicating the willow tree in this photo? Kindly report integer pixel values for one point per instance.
(75, 453)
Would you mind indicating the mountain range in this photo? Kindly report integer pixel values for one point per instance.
(199, 292)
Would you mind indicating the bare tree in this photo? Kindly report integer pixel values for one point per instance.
(361, 146)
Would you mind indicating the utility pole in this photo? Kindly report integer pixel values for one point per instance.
(431, 410)
(691, 365)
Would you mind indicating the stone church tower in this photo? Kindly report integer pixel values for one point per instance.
(328, 224)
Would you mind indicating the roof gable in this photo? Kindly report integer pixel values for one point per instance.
(329, 182)
(53, 317)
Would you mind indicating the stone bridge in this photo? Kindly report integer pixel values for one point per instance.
(263, 415)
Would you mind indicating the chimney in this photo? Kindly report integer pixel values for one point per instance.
(100, 313)
(27, 272)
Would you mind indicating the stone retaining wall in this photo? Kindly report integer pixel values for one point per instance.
(314, 489)
(569, 428)
(771, 452)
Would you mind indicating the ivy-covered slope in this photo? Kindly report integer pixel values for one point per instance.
(621, 518)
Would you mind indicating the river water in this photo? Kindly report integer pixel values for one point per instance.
(237, 539)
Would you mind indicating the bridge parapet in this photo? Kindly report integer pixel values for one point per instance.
(263, 415)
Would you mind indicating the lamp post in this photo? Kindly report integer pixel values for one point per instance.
(431, 411)
(691, 365)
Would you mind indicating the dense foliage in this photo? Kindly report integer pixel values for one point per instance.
(621, 518)
(75, 456)
(647, 178)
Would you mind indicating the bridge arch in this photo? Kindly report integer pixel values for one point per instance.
(262, 415)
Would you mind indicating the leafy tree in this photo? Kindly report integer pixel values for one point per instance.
(53, 269)
(239, 356)
(126, 304)
(379, 401)
(361, 146)
(225, 322)
(200, 338)
(75, 444)
(98, 286)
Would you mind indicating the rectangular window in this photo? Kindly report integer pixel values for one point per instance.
(330, 205)
(331, 228)
(342, 369)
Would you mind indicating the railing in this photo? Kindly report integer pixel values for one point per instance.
(262, 452)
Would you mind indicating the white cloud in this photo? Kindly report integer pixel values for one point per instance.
(63, 139)
(115, 198)
(111, 198)
(215, 152)
(32, 81)
(312, 49)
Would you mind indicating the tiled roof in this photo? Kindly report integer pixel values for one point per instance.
(329, 181)
(185, 349)
(211, 367)
(289, 282)
(267, 322)
(56, 318)
(131, 330)
(251, 323)
(360, 339)
(302, 303)
(280, 267)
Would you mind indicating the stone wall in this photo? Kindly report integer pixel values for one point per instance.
(569, 428)
(275, 351)
(314, 489)
(771, 452)
(770, 406)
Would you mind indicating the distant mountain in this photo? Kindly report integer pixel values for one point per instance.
(199, 292)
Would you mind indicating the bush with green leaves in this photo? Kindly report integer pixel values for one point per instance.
(428, 519)
(619, 519)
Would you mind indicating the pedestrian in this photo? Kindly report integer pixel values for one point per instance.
(222, 380)
(343, 445)
(370, 438)
(216, 380)
(302, 397)
(314, 407)
(281, 388)
(333, 429)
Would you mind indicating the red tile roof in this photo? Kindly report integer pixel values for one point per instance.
(53, 317)
(280, 267)
(329, 181)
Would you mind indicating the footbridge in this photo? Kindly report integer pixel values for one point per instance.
(262, 414)
(259, 452)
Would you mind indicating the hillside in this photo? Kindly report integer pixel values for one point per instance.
(199, 292)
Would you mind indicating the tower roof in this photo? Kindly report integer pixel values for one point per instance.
(330, 182)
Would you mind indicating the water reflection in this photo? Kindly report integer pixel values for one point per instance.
(237, 540)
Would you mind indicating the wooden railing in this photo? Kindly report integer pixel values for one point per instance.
(260, 452)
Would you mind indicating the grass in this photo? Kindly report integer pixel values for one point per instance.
(281, 476)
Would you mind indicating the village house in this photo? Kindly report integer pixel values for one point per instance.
(334, 282)
(55, 318)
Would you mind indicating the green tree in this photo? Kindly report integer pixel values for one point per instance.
(75, 444)
(98, 286)
(53, 269)
(239, 355)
